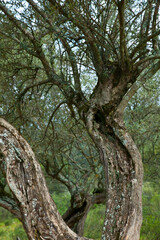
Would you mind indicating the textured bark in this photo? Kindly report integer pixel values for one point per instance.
(120, 157)
(117, 65)
(123, 176)
(39, 214)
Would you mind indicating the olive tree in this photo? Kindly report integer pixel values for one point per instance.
(116, 44)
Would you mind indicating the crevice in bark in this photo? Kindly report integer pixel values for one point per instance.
(75, 216)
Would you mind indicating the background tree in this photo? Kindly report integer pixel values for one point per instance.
(116, 45)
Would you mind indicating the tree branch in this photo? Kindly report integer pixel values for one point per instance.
(140, 45)
(32, 86)
(146, 20)
(50, 119)
(72, 59)
(146, 60)
(90, 38)
(123, 47)
(154, 23)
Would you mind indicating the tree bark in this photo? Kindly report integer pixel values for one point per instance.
(39, 214)
(123, 172)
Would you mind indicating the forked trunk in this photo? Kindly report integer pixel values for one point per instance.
(123, 177)
(39, 214)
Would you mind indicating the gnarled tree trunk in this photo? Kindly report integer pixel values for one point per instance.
(123, 175)
(39, 214)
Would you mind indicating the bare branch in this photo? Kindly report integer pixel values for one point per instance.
(146, 61)
(50, 119)
(72, 59)
(32, 86)
(154, 23)
(123, 47)
(146, 20)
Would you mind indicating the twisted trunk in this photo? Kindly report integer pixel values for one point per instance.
(39, 214)
(122, 163)
(123, 176)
